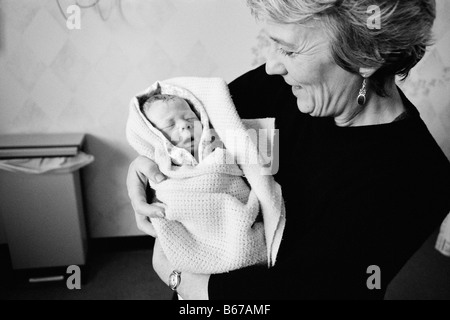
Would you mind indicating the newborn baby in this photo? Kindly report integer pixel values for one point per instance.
(212, 222)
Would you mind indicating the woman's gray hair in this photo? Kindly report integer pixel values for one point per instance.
(395, 48)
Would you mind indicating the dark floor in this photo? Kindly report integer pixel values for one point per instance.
(121, 274)
(126, 273)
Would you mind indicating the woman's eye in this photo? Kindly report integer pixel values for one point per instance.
(287, 53)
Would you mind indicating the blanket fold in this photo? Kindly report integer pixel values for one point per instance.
(211, 223)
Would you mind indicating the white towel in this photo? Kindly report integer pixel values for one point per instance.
(210, 224)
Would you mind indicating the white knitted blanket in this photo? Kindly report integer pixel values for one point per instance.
(210, 225)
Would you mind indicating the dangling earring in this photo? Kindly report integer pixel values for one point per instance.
(362, 93)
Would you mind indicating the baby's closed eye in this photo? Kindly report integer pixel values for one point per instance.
(168, 125)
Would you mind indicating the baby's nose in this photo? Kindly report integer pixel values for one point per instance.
(185, 125)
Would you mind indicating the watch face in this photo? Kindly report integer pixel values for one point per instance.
(172, 280)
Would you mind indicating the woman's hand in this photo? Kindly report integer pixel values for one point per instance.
(192, 286)
(140, 171)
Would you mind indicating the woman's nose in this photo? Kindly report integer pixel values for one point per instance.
(273, 64)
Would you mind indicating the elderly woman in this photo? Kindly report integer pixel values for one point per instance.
(363, 180)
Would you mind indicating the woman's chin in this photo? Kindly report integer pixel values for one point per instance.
(305, 107)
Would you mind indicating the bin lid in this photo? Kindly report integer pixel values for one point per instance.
(40, 145)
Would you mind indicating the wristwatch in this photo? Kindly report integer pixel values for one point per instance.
(174, 280)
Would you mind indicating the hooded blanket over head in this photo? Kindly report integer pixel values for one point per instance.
(211, 223)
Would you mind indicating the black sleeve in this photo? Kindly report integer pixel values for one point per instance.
(330, 261)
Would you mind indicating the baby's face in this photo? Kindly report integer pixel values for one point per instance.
(175, 119)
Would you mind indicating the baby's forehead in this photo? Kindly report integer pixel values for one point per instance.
(175, 104)
(166, 108)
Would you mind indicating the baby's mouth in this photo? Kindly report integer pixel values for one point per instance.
(187, 142)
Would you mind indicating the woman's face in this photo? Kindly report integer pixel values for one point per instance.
(302, 55)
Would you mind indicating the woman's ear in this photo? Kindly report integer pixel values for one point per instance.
(367, 72)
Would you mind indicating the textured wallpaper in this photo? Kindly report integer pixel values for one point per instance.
(53, 79)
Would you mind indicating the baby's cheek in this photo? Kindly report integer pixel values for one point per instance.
(172, 136)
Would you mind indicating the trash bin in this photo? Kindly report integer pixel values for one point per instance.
(41, 200)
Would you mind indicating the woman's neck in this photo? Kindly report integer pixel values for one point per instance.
(378, 110)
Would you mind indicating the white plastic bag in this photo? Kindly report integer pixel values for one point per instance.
(51, 165)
